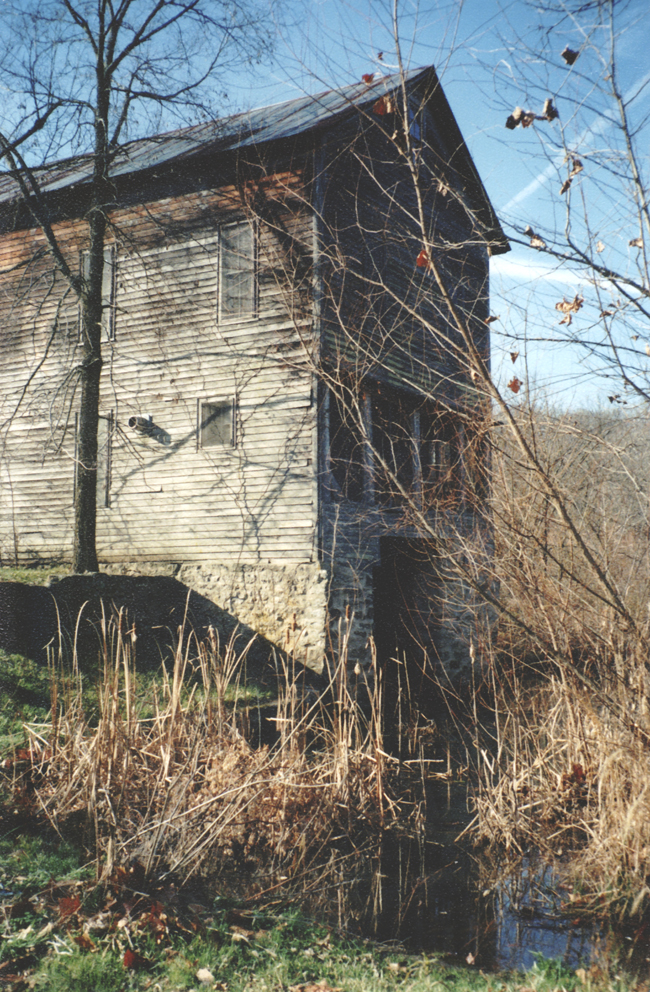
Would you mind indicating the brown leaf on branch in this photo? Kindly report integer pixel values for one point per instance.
(576, 167)
(490, 320)
(569, 55)
(647, 349)
(636, 243)
(515, 384)
(520, 116)
(514, 355)
(600, 247)
(515, 118)
(567, 307)
(423, 261)
(384, 106)
(606, 313)
(367, 78)
(635, 337)
(615, 398)
(550, 112)
(535, 240)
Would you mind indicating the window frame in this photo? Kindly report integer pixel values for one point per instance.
(231, 402)
(230, 318)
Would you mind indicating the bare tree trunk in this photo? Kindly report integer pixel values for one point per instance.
(85, 510)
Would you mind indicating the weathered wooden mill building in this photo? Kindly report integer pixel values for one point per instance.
(282, 388)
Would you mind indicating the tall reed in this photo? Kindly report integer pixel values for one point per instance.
(164, 774)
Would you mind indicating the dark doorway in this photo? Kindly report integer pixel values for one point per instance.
(407, 617)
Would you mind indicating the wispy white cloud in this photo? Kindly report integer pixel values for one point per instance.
(601, 125)
(521, 270)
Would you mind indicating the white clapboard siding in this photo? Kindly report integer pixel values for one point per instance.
(173, 501)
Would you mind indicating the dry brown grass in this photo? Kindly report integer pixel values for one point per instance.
(171, 781)
(566, 776)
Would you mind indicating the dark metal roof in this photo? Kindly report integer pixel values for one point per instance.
(276, 122)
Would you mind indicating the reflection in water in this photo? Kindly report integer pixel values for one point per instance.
(429, 893)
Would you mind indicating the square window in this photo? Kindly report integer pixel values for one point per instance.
(216, 425)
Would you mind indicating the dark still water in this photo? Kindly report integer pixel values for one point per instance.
(435, 895)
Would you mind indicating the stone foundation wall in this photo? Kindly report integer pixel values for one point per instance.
(287, 604)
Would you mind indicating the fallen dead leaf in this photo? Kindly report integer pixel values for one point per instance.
(321, 986)
(68, 906)
(83, 941)
(205, 976)
(134, 961)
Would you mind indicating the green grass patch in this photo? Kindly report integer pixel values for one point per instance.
(24, 698)
(37, 575)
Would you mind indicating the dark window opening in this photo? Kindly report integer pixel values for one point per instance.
(216, 425)
(237, 283)
(392, 442)
(346, 447)
(440, 453)
(476, 460)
